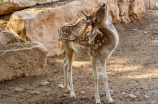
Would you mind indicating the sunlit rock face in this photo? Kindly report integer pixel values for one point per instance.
(42, 25)
(22, 59)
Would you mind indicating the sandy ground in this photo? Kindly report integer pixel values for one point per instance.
(132, 69)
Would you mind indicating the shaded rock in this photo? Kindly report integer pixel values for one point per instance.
(7, 37)
(22, 59)
(42, 25)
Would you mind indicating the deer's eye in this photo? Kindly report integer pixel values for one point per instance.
(96, 20)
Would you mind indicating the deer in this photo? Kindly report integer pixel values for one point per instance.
(93, 37)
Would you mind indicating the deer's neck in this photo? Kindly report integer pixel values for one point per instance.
(111, 34)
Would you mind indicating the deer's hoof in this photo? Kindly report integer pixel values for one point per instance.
(112, 103)
(73, 97)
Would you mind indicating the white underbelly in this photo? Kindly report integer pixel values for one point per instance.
(82, 50)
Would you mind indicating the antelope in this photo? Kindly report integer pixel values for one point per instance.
(92, 37)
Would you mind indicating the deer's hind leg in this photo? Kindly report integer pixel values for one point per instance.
(66, 75)
(69, 56)
(96, 79)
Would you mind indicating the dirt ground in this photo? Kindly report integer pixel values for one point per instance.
(132, 69)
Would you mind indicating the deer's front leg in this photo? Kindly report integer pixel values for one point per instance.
(96, 79)
(105, 79)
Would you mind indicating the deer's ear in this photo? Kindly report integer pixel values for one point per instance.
(92, 35)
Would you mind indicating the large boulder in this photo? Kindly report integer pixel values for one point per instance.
(42, 25)
(8, 37)
(22, 59)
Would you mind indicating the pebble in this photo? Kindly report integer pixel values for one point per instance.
(137, 93)
(111, 91)
(123, 93)
(18, 90)
(44, 83)
(120, 49)
(145, 32)
(131, 96)
(129, 76)
(50, 79)
(83, 92)
(134, 81)
(146, 96)
(84, 97)
(35, 92)
(152, 102)
(134, 29)
(60, 85)
(5, 94)
(64, 94)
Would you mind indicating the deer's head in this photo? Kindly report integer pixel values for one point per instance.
(97, 20)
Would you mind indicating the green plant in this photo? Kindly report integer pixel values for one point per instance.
(1, 2)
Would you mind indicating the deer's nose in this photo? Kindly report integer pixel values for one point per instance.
(103, 4)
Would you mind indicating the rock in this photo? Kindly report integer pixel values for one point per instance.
(131, 96)
(18, 90)
(150, 4)
(60, 85)
(42, 25)
(35, 92)
(17, 5)
(8, 37)
(44, 83)
(22, 59)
